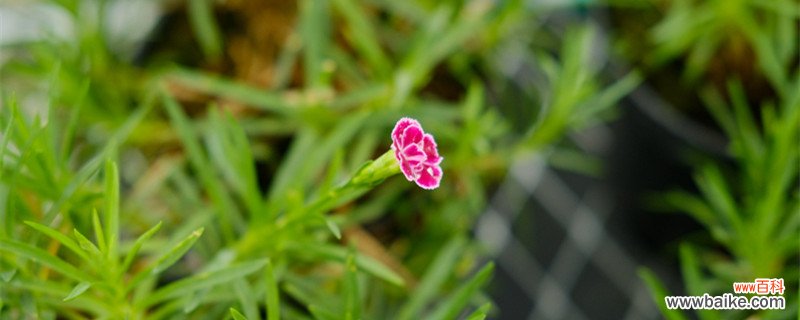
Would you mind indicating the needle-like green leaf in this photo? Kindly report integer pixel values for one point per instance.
(112, 208)
(236, 315)
(450, 308)
(363, 262)
(177, 252)
(44, 258)
(272, 295)
(79, 289)
(352, 301)
(658, 292)
(60, 237)
(138, 245)
(203, 280)
(438, 272)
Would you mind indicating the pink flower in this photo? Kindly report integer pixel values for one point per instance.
(416, 153)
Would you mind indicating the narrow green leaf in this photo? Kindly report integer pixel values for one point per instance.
(480, 313)
(286, 61)
(364, 146)
(229, 149)
(767, 57)
(789, 227)
(112, 208)
(362, 34)
(167, 259)
(192, 301)
(576, 160)
(296, 313)
(315, 31)
(714, 188)
(60, 237)
(168, 310)
(253, 96)
(693, 278)
(716, 105)
(177, 252)
(699, 55)
(46, 160)
(72, 122)
(247, 299)
(333, 228)
(236, 315)
(86, 244)
(376, 206)
(201, 16)
(6, 276)
(658, 292)
(7, 135)
(352, 310)
(223, 204)
(43, 257)
(52, 293)
(21, 126)
(202, 280)
(245, 166)
(436, 274)
(272, 295)
(98, 231)
(786, 30)
(334, 169)
(692, 205)
(363, 262)
(78, 179)
(690, 269)
(608, 97)
(306, 291)
(436, 39)
(138, 245)
(321, 313)
(79, 289)
(456, 303)
(302, 145)
(748, 135)
(474, 102)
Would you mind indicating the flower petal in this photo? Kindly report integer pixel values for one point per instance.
(413, 154)
(399, 128)
(429, 177)
(429, 148)
(412, 134)
(397, 153)
(407, 171)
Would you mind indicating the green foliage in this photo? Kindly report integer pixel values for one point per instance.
(577, 97)
(97, 271)
(756, 219)
(751, 208)
(205, 28)
(658, 292)
(703, 30)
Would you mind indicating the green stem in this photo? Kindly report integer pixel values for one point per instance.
(369, 176)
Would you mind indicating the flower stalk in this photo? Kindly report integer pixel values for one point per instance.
(370, 175)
